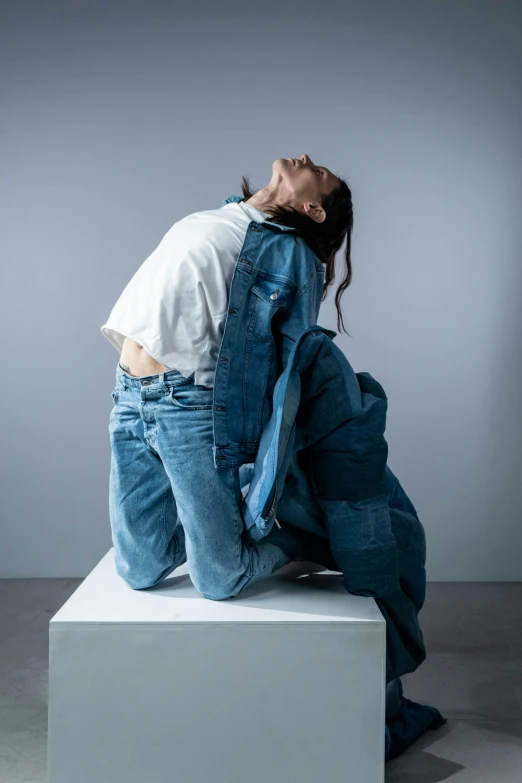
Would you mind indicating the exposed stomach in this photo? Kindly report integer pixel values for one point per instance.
(135, 360)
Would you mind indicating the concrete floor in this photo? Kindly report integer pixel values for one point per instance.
(472, 674)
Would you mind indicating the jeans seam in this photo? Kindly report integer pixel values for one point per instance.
(164, 518)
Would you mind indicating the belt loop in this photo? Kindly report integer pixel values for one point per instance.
(161, 382)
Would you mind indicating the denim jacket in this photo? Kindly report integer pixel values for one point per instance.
(275, 293)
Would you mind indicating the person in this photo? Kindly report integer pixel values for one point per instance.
(168, 504)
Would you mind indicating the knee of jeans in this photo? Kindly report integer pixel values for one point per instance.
(140, 584)
(214, 592)
(136, 580)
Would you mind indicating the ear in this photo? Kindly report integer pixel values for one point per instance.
(315, 211)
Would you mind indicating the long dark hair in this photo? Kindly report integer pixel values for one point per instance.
(325, 238)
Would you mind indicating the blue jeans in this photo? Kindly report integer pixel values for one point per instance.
(168, 504)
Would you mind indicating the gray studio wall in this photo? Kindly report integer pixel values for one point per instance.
(119, 119)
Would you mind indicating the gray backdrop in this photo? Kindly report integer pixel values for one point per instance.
(119, 119)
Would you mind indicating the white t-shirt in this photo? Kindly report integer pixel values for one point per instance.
(176, 303)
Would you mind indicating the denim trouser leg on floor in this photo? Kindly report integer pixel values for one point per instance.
(168, 503)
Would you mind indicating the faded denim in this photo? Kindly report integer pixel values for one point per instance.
(167, 502)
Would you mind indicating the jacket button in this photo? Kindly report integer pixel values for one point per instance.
(274, 295)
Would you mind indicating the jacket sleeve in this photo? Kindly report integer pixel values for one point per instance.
(303, 313)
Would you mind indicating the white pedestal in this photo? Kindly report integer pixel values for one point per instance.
(283, 684)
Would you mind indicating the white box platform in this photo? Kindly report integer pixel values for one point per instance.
(283, 684)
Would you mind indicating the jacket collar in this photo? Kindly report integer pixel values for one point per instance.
(237, 199)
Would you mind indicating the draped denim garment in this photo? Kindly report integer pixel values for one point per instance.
(308, 435)
(287, 402)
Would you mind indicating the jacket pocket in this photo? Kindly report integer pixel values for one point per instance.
(268, 298)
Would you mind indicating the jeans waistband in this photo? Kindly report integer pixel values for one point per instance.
(161, 379)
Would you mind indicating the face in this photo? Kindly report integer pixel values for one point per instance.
(301, 184)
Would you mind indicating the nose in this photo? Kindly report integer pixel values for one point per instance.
(305, 158)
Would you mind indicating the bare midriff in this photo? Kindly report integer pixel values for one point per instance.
(135, 360)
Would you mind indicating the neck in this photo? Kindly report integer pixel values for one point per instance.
(263, 198)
